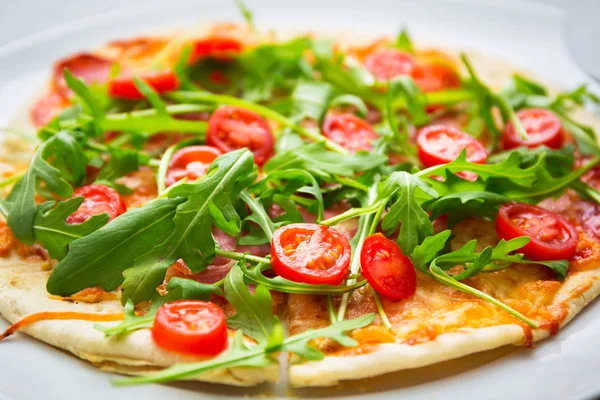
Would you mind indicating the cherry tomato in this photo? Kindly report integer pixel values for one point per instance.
(232, 128)
(388, 64)
(190, 327)
(98, 199)
(388, 271)
(219, 47)
(441, 144)
(90, 68)
(435, 77)
(124, 87)
(349, 131)
(551, 236)
(310, 253)
(542, 126)
(191, 162)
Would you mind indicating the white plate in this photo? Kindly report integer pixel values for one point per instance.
(563, 367)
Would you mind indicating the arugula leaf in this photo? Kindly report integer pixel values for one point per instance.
(310, 99)
(258, 215)
(91, 259)
(121, 162)
(558, 162)
(206, 204)
(414, 99)
(21, 198)
(177, 289)
(286, 286)
(509, 169)
(79, 87)
(404, 42)
(254, 314)
(279, 185)
(315, 159)
(427, 251)
(406, 210)
(274, 67)
(462, 205)
(242, 354)
(54, 233)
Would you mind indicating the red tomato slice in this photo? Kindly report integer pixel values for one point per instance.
(388, 64)
(98, 199)
(388, 271)
(551, 236)
(191, 162)
(349, 131)
(310, 253)
(232, 128)
(124, 87)
(441, 144)
(542, 126)
(190, 327)
(90, 68)
(218, 47)
(435, 77)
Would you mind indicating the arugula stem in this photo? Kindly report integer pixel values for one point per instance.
(303, 201)
(444, 278)
(351, 182)
(259, 109)
(152, 125)
(353, 213)
(377, 217)
(234, 255)
(331, 310)
(384, 318)
(361, 235)
(586, 191)
(12, 179)
(161, 174)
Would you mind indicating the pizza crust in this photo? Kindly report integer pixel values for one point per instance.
(23, 292)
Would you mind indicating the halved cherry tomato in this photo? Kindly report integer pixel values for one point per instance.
(98, 199)
(388, 64)
(191, 162)
(310, 253)
(388, 271)
(349, 131)
(190, 327)
(219, 47)
(441, 144)
(90, 68)
(232, 128)
(435, 76)
(542, 126)
(551, 236)
(124, 87)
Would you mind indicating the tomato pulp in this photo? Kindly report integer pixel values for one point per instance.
(551, 236)
(191, 162)
(542, 126)
(98, 199)
(386, 268)
(232, 128)
(349, 131)
(190, 327)
(441, 144)
(386, 65)
(125, 88)
(310, 253)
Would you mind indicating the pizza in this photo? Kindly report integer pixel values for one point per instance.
(199, 203)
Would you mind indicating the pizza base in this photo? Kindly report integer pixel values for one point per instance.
(22, 292)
